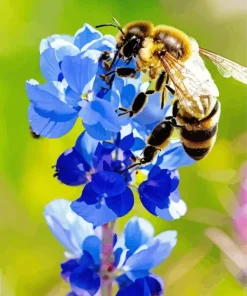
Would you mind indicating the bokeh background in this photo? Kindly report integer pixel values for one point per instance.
(29, 254)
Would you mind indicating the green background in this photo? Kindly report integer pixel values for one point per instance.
(29, 254)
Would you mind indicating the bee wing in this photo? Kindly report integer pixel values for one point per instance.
(189, 85)
(226, 67)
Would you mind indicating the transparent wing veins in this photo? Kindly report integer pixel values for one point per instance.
(226, 67)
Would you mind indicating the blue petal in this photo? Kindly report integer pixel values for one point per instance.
(176, 209)
(101, 111)
(174, 157)
(86, 146)
(68, 267)
(87, 280)
(105, 43)
(152, 113)
(127, 142)
(80, 70)
(139, 287)
(150, 285)
(72, 98)
(53, 40)
(87, 261)
(103, 156)
(52, 127)
(85, 35)
(121, 204)
(68, 228)
(71, 168)
(108, 183)
(155, 284)
(98, 214)
(140, 263)
(49, 116)
(49, 65)
(155, 193)
(92, 244)
(138, 144)
(98, 132)
(127, 95)
(64, 49)
(89, 196)
(137, 232)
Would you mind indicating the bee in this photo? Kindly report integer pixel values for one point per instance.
(164, 51)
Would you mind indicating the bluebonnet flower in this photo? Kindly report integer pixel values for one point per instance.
(160, 195)
(71, 67)
(135, 253)
(107, 195)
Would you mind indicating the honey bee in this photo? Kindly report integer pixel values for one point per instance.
(164, 51)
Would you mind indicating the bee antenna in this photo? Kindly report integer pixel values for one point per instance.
(111, 25)
(116, 21)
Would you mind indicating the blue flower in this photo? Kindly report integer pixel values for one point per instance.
(104, 199)
(148, 286)
(159, 194)
(136, 253)
(75, 88)
(78, 237)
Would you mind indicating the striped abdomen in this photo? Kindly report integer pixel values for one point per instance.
(198, 136)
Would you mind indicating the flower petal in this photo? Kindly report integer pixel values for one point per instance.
(143, 260)
(105, 43)
(121, 204)
(68, 228)
(85, 35)
(86, 146)
(67, 268)
(49, 115)
(98, 214)
(98, 132)
(71, 168)
(176, 209)
(101, 111)
(92, 244)
(137, 232)
(108, 183)
(174, 157)
(87, 280)
(80, 70)
(49, 65)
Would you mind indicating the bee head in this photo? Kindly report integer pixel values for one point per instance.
(133, 37)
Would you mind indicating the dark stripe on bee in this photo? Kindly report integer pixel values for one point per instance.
(196, 153)
(193, 120)
(199, 135)
(139, 102)
(126, 72)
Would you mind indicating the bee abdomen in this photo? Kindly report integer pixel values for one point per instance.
(197, 143)
(196, 153)
(199, 135)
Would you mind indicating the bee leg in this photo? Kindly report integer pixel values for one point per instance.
(131, 113)
(121, 109)
(134, 165)
(175, 109)
(114, 59)
(162, 103)
(128, 60)
(170, 89)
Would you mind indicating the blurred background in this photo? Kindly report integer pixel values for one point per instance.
(29, 255)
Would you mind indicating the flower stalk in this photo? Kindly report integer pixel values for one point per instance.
(107, 259)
